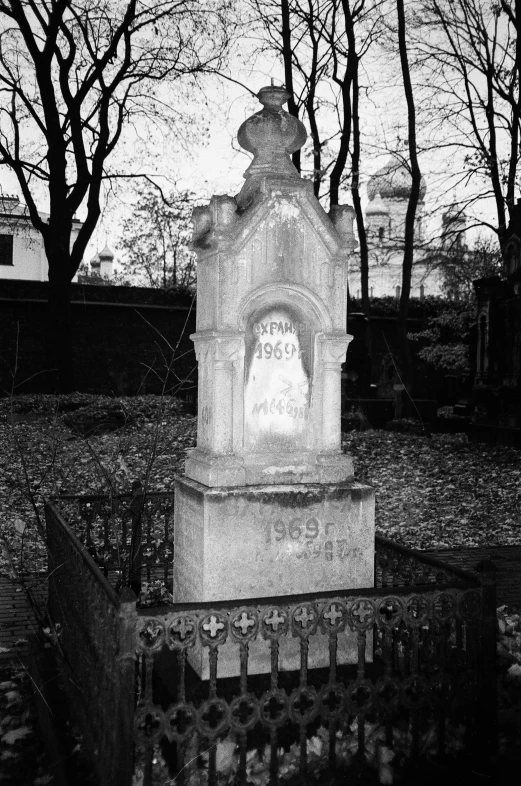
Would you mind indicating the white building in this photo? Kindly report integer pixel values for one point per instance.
(388, 191)
(22, 253)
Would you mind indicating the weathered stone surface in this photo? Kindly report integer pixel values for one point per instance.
(261, 541)
(270, 340)
(268, 506)
(265, 541)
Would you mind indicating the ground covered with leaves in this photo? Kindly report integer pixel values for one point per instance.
(440, 491)
(80, 444)
(432, 492)
(23, 758)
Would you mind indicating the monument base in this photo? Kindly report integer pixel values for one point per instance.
(291, 468)
(274, 540)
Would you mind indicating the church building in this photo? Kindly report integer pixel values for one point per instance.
(388, 191)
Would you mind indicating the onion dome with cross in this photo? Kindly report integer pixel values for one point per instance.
(393, 181)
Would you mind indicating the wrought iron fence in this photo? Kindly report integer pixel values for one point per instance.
(129, 536)
(90, 626)
(411, 690)
(293, 686)
(131, 539)
(399, 566)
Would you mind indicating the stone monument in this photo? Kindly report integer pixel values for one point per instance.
(269, 505)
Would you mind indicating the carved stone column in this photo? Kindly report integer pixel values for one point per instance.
(220, 356)
(332, 350)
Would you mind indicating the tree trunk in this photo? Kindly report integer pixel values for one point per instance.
(59, 340)
(287, 56)
(355, 192)
(343, 150)
(405, 359)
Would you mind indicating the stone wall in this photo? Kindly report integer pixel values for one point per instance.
(113, 342)
(121, 338)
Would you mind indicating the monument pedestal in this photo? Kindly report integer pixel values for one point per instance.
(274, 540)
(269, 508)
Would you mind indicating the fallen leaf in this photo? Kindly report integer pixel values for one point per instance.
(16, 734)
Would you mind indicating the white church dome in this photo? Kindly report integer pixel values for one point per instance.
(393, 181)
(377, 207)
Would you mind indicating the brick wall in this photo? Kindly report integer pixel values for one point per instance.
(121, 338)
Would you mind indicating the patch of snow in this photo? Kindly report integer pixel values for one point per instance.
(279, 470)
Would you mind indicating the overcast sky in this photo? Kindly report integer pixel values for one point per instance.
(214, 164)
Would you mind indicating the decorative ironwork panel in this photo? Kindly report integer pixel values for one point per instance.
(415, 677)
(86, 611)
(309, 719)
(399, 566)
(129, 536)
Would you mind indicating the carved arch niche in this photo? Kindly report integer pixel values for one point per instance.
(280, 328)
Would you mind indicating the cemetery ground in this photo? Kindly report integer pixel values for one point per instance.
(432, 492)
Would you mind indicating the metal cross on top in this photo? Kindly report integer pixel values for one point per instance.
(304, 617)
(213, 627)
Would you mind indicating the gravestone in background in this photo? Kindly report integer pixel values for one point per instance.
(497, 385)
(269, 505)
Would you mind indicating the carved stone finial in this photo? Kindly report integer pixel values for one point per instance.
(272, 135)
(342, 217)
(215, 217)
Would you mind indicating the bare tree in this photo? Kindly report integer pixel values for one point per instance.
(73, 75)
(460, 265)
(470, 57)
(155, 240)
(322, 44)
(349, 84)
(287, 56)
(397, 41)
(414, 196)
(292, 29)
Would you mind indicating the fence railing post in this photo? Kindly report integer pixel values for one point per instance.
(135, 557)
(488, 700)
(126, 675)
